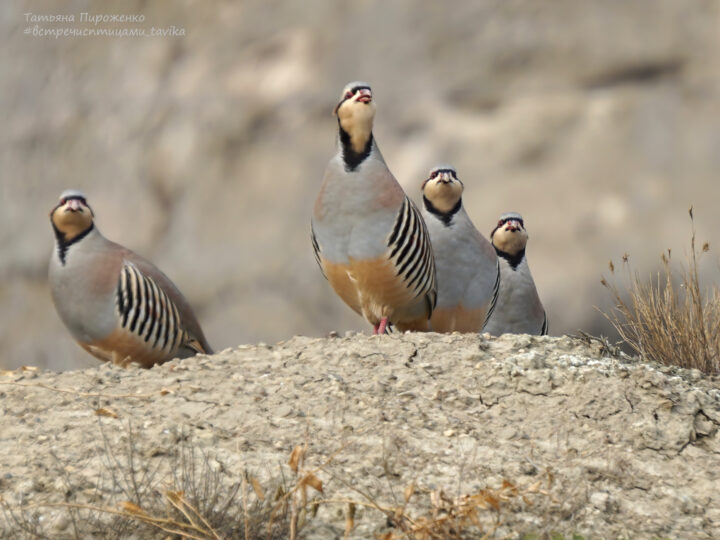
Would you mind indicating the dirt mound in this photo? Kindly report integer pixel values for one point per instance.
(620, 448)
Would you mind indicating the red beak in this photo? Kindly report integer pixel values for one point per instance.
(364, 96)
(73, 205)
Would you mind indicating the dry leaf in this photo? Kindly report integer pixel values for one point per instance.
(611, 266)
(510, 486)
(312, 481)
(106, 412)
(132, 508)
(165, 391)
(295, 458)
(257, 488)
(349, 519)
(492, 500)
(29, 368)
(535, 487)
(409, 492)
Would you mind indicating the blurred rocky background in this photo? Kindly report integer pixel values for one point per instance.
(598, 121)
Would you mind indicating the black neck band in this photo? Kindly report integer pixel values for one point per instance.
(513, 260)
(63, 244)
(352, 158)
(445, 217)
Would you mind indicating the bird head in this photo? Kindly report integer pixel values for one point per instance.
(72, 215)
(443, 188)
(356, 109)
(509, 235)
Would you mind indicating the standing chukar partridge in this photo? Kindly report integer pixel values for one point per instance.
(518, 309)
(468, 272)
(369, 238)
(118, 306)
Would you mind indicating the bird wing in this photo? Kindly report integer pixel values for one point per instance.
(410, 252)
(155, 291)
(496, 291)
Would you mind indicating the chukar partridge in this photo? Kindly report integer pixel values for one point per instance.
(369, 238)
(518, 309)
(117, 305)
(468, 272)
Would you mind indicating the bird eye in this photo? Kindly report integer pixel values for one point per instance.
(348, 94)
(501, 222)
(63, 200)
(434, 174)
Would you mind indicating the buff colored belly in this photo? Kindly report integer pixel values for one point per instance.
(457, 319)
(123, 348)
(372, 288)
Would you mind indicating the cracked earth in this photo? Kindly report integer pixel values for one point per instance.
(623, 449)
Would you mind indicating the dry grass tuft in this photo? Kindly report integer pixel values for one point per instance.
(670, 319)
(194, 497)
(432, 514)
(197, 499)
(476, 514)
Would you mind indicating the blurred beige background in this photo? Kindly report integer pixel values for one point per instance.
(598, 121)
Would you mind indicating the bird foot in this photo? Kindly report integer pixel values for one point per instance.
(382, 327)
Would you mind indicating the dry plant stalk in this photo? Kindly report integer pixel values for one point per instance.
(194, 501)
(666, 323)
(194, 525)
(451, 517)
(183, 515)
(298, 494)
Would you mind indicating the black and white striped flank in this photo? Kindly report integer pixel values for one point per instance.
(496, 292)
(146, 311)
(411, 252)
(316, 250)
